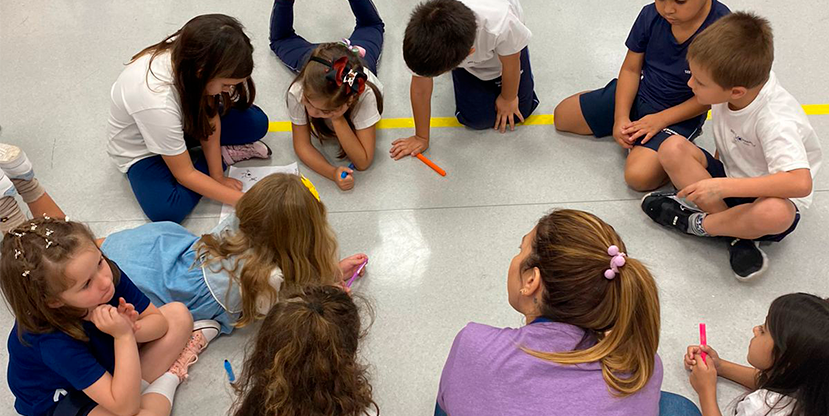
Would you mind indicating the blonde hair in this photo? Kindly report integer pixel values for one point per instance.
(738, 50)
(621, 314)
(281, 224)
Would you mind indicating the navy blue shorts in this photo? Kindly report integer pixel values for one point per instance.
(717, 170)
(598, 108)
(76, 403)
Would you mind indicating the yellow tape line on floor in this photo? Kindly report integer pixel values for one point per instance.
(536, 120)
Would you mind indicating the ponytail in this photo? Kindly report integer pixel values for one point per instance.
(621, 314)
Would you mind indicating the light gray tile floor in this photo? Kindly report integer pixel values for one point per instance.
(439, 247)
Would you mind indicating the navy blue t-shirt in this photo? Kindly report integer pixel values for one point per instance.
(665, 72)
(53, 364)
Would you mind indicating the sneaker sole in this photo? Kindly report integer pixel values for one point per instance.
(12, 158)
(758, 273)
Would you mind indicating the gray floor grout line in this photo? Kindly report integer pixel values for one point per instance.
(361, 211)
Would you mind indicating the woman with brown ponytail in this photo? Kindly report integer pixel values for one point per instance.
(589, 346)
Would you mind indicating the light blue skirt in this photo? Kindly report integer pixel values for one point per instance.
(160, 259)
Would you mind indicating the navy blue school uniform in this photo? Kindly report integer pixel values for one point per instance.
(665, 76)
(48, 372)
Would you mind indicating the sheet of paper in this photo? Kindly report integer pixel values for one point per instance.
(249, 177)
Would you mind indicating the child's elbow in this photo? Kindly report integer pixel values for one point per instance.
(363, 164)
(803, 183)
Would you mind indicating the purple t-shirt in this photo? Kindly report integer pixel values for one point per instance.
(488, 374)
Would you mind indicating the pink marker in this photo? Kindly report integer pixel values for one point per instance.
(703, 340)
(357, 273)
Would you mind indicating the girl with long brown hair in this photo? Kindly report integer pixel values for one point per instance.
(279, 239)
(192, 89)
(589, 346)
(336, 94)
(303, 361)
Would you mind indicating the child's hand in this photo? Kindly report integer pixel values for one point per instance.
(705, 192)
(647, 126)
(622, 138)
(410, 146)
(695, 350)
(703, 377)
(350, 264)
(344, 183)
(128, 311)
(107, 319)
(505, 110)
(230, 183)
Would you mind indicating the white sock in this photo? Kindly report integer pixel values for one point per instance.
(144, 385)
(165, 385)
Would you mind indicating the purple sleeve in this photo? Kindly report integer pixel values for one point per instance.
(448, 370)
(640, 33)
(72, 360)
(132, 294)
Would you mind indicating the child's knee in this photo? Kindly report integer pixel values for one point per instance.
(179, 318)
(774, 214)
(476, 123)
(259, 122)
(674, 149)
(563, 114)
(642, 180)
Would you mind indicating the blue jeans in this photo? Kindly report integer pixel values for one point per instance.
(293, 50)
(475, 98)
(160, 195)
(669, 405)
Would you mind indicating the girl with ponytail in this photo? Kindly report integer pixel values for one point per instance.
(304, 360)
(589, 346)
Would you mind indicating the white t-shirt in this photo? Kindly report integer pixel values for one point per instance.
(363, 115)
(771, 135)
(144, 113)
(501, 31)
(761, 403)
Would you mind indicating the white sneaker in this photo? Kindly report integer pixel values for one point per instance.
(6, 186)
(14, 163)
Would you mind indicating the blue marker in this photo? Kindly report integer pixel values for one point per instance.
(344, 174)
(229, 371)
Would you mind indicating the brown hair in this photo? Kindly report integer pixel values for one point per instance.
(315, 84)
(738, 50)
(621, 314)
(207, 47)
(303, 361)
(281, 224)
(33, 258)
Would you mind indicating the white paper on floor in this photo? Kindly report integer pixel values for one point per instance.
(249, 177)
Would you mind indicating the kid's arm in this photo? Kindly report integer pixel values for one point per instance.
(421, 96)
(506, 104)
(359, 145)
(182, 168)
(740, 374)
(213, 151)
(792, 184)
(709, 405)
(120, 393)
(309, 154)
(628, 84)
(420, 92)
(152, 325)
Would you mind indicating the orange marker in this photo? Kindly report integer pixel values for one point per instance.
(429, 163)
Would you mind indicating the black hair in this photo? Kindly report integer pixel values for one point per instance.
(439, 36)
(799, 326)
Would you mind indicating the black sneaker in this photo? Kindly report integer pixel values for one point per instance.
(747, 260)
(666, 209)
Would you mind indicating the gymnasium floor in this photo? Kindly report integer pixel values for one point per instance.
(439, 248)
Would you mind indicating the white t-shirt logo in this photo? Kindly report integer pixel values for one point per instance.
(740, 140)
